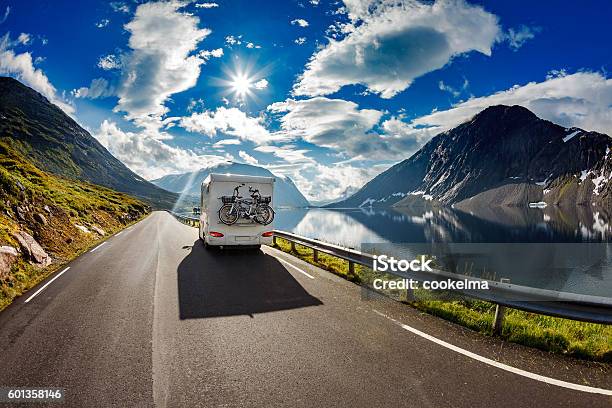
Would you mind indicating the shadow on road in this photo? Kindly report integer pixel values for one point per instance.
(214, 283)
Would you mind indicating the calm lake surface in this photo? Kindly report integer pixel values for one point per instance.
(541, 228)
(566, 250)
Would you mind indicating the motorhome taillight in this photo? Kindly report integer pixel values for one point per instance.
(215, 234)
(267, 234)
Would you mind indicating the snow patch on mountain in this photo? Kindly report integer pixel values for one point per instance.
(570, 136)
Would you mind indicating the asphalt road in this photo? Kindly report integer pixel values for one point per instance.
(151, 318)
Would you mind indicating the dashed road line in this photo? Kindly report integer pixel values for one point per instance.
(295, 267)
(46, 284)
(104, 243)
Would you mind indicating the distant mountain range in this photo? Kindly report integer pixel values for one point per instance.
(503, 156)
(286, 194)
(54, 142)
(506, 156)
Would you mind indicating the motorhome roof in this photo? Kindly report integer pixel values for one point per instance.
(238, 178)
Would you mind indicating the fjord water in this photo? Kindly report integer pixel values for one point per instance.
(511, 225)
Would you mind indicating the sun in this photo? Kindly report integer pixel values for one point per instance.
(243, 81)
(241, 84)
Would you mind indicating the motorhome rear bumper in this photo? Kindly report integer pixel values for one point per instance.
(239, 240)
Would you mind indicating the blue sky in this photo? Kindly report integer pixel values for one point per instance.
(330, 93)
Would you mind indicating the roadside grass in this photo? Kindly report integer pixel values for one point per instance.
(582, 340)
(26, 191)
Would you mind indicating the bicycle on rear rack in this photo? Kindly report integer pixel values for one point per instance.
(256, 209)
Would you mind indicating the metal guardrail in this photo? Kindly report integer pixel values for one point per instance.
(191, 221)
(595, 309)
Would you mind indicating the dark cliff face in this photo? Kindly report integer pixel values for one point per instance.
(499, 147)
(56, 143)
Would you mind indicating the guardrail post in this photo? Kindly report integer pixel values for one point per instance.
(500, 311)
(274, 240)
(410, 295)
(498, 323)
(315, 255)
(293, 247)
(351, 269)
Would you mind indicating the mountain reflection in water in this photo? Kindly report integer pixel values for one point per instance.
(354, 227)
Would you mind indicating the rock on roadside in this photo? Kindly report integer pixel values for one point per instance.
(8, 256)
(39, 218)
(98, 230)
(32, 249)
(82, 228)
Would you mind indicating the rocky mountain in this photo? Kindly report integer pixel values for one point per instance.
(286, 194)
(505, 155)
(54, 142)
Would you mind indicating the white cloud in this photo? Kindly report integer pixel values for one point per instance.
(148, 156)
(332, 123)
(404, 137)
(108, 62)
(6, 14)
(208, 54)
(447, 88)
(289, 153)
(226, 142)
(315, 180)
(99, 88)
(390, 43)
(120, 7)
(248, 158)
(455, 91)
(24, 38)
(160, 64)
(22, 68)
(319, 182)
(314, 2)
(300, 40)
(300, 22)
(517, 37)
(583, 99)
(103, 23)
(261, 84)
(355, 133)
(195, 104)
(206, 5)
(232, 40)
(228, 121)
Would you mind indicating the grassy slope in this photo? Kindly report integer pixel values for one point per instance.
(578, 339)
(70, 202)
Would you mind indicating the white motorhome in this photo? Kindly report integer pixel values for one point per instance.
(245, 231)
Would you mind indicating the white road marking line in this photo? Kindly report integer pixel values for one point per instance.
(295, 267)
(119, 233)
(46, 284)
(502, 366)
(98, 246)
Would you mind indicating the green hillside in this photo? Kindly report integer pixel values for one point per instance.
(53, 141)
(63, 215)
